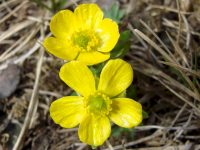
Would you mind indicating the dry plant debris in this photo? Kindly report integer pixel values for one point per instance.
(165, 54)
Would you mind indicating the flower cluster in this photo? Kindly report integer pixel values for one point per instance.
(84, 38)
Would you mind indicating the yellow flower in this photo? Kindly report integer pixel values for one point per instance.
(98, 102)
(83, 35)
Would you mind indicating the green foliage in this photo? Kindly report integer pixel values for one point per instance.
(122, 46)
(55, 5)
(42, 4)
(145, 114)
(131, 92)
(93, 147)
(74, 94)
(96, 69)
(122, 94)
(114, 13)
(119, 131)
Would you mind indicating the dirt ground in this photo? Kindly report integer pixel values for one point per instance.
(163, 48)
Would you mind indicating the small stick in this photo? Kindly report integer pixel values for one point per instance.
(179, 21)
(147, 138)
(167, 9)
(32, 103)
(15, 10)
(109, 145)
(188, 38)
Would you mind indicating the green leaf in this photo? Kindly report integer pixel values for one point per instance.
(145, 114)
(58, 5)
(96, 69)
(114, 13)
(74, 94)
(131, 92)
(61, 3)
(122, 94)
(118, 131)
(55, 5)
(93, 147)
(122, 46)
(42, 4)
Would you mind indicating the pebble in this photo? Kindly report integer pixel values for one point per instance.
(9, 80)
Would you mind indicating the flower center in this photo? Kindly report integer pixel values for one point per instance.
(86, 41)
(98, 104)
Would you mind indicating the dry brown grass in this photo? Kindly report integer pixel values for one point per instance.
(165, 54)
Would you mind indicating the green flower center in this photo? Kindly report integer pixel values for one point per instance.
(98, 104)
(86, 41)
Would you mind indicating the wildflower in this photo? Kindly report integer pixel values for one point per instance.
(83, 35)
(98, 102)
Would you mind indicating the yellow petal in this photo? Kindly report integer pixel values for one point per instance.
(109, 33)
(126, 112)
(79, 77)
(94, 130)
(67, 111)
(59, 48)
(88, 15)
(63, 24)
(115, 77)
(92, 58)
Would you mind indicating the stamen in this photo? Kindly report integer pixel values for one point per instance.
(86, 41)
(98, 103)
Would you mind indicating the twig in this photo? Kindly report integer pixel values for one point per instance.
(166, 9)
(165, 76)
(8, 8)
(81, 147)
(15, 29)
(179, 96)
(179, 21)
(178, 50)
(15, 10)
(150, 127)
(187, 27)
(8, 3)
(32, 103)
(154, 45)
(187, 70)
(21, 45)
(47, 93)
(159, 40)
(138, 37)
(109, 145)
(155, 134)
(185, 125)
(22, 58)
(169, 23)
(175, 147)
(178, 115)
